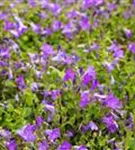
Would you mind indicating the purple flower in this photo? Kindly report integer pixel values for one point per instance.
(127, 14)
(19, 29)
(88, 3)
(85, 97)
(51, 110)
(110, 123)
(114, 47)
(69, 29)
(109, 66)
(47, 50)
(34, 58)
(36, 27)
(118, 54)
(72, 14)
(31, 3)
(90, 126)
(55, 8)
(39, 121)
(128, 33)
(3, 15)
(93, 126)
(89, 75)
(70, 133)
(8, 25)
(38, 74)
(69, 75)
(131, 47)
(91, 3)
(55, 94)
(93, 47)
(11, 145)
(4, 53)
(20, 82)
(111, 6)
(47, 31)
(82, 147)
(10, 74)
(5, 133)
(85, 24)
(65, 146)
(130, 122)
(27, 132)
(56, 25)
(134, 3)
(94, 84)
(112, 102)
(43, 145)
(53, 134)
(35, 86)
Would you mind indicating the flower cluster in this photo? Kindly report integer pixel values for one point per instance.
(67, 74)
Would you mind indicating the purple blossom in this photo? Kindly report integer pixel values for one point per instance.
(55, 8)
(118, 54)
(114, 47)
(47, 50)
(130, 122)
(69, 75)
(94, 84)
(91, 3)
(47, 31)
(111, 66)
(39, 121)
(82, 147)
(35, 86)
(11, 145)
(134, 3)
(128, 33)
(56, 25)
(65, 146)
(89, 75)
(93, 47)
(20, 28)
(85, 98)
(38, 74)
(73, 14)
(34, 58)
(131, 47)
(51, 110)
(70, 134)
(5, 134)
(90, 126)
(8, 25)
(112, 102)
(31, 3)
(36, 28)
(111, 6)
(68, 30)
(63, 58)
(27, 132)
(55, 93)
(88, 3)
(85, 24)
(3, 15)
(20, 82)
(93, 126)
(43, 145)
(53, 134)
(4, 53)
(10, 74)
(110, 123)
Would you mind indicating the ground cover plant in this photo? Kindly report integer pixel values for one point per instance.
(67, 74)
